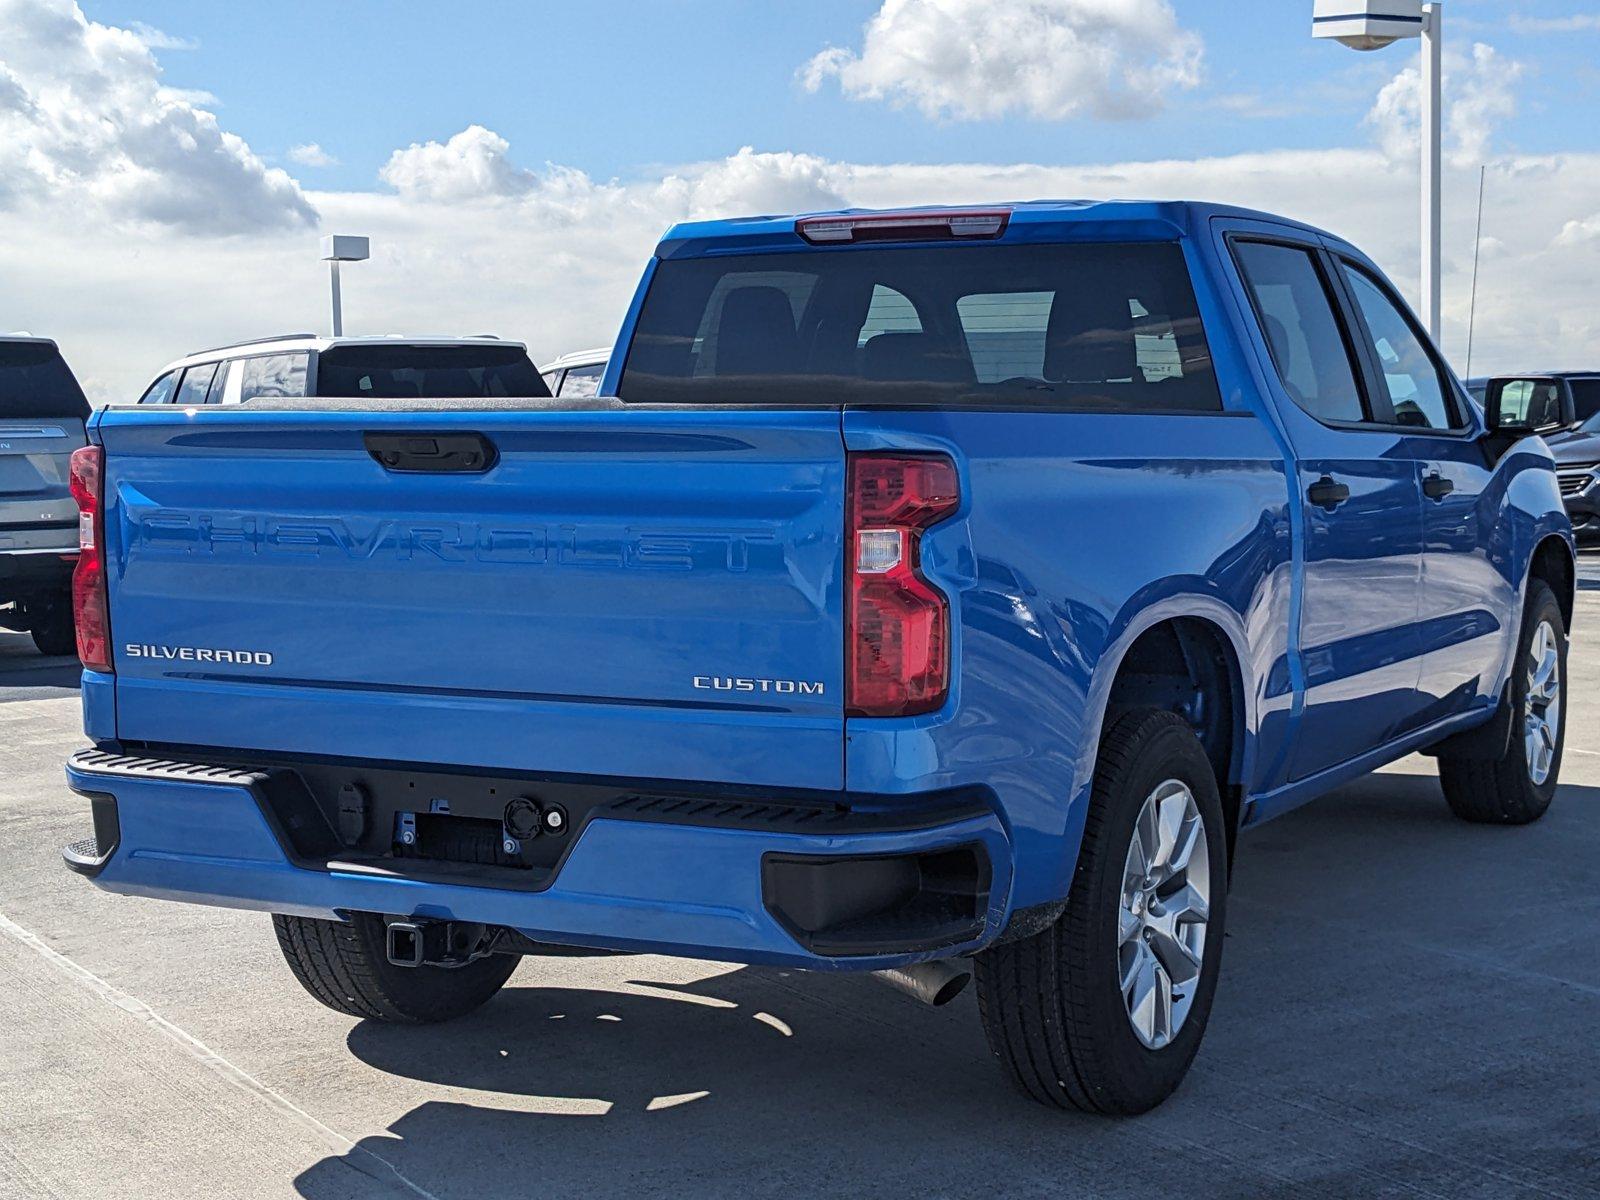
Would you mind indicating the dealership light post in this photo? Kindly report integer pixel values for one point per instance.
(338, 248)
(1372, 25)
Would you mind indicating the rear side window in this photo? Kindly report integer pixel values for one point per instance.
(428, 372)
(583, 381)
(160, 392)
(273, 375)
(1297, 317)
(36, 382)
(1103, 326)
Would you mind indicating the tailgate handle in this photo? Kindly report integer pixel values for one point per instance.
(432, 453)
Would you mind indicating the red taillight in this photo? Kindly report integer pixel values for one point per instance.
(89, 608)
(898, 643)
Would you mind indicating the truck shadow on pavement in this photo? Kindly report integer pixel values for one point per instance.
(1401, 1002)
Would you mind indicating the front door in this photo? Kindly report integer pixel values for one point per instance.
(1359, 645)
(1464, 641)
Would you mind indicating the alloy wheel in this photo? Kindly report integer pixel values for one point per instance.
(1541, 720)
(1166, 905)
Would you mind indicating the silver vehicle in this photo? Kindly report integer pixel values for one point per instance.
(386, 367)
(576, 374)
(42, 411)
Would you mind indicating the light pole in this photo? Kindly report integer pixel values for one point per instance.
(338, 248)
(1372, 25)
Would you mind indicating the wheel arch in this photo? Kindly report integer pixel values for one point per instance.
(1554, 563)
(1187, 655)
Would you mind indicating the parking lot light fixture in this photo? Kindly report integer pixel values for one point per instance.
(338, 248)
(1372, 25)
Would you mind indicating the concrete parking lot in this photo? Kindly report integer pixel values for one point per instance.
(1409, 1006)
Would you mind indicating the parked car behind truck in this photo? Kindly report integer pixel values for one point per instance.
(927, 593)
(392, 367)
(42, 414)
(576, 375)
(1576, 448)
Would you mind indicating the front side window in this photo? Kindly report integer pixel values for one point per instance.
(1302, 332)
(273, 375)
(1586, 401)
(1414, 381)
(160, 392)
(1079, 325)
(196, 384)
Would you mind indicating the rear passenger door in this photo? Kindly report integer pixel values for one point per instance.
(1358, 643)
(1463, 639)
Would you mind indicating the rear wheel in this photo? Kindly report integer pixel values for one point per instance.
(1517, 787)
(53, 630)
(1104, 1010)
(346, 966)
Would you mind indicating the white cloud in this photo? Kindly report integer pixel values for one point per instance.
(1050, 59)
(555, 260)
(1480, 94)
(156, 39)
(1575, 23)
(86, 124)
(312, 155)
(471, 165)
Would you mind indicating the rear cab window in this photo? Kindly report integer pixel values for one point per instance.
(1105, 326)
(35, 382)
(428, 372)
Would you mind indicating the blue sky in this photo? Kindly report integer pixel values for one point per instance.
(617, 89)
(514, 163)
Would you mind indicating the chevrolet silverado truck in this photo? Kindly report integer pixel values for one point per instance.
(42, 415)
(933, 593)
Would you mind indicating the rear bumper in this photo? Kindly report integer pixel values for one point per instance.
(207, 835)
(39, 567)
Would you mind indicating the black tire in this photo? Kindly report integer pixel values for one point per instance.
(345, 965)
(1052, 1004)
(1502, 790)
(54, 632)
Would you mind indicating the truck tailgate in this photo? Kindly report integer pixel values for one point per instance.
(636, 593)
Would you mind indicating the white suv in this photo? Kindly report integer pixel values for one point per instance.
(390, 367)
(576, 374)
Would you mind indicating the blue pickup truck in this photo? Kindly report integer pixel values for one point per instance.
(935, 594)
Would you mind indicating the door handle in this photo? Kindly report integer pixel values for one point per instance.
(1328, 493)
(1437, 487)
(432, 453)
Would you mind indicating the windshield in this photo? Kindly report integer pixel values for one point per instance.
(1586, 400)
(427, 372)
(1009, 326)
(35, 382)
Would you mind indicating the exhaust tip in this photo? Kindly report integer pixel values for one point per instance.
(933, 983)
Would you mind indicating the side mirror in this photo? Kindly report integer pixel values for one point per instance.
(1523, 406)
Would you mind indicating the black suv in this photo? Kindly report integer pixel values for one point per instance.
(42, 415)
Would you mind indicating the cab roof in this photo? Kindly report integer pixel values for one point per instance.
(1028, 221)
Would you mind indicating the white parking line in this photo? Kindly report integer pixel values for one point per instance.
(356, 1156)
